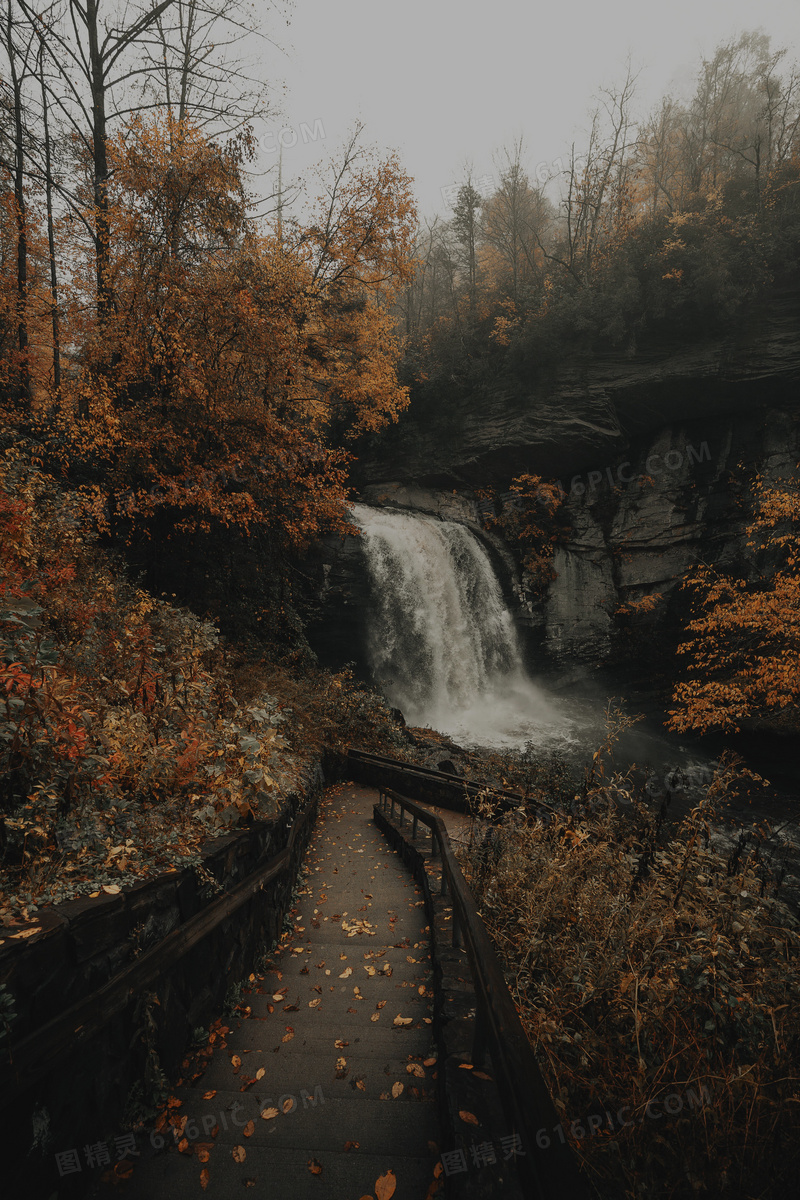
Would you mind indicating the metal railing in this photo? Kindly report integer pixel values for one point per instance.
(551, 1173)
(461, 788)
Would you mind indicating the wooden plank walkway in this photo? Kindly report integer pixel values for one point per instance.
(339, 1043)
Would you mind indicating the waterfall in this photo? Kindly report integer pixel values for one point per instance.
(442, 644)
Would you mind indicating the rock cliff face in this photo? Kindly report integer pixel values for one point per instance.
(653, 452)
(580, 417)
(633, 541)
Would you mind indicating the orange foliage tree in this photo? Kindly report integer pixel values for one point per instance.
(528, 517)
(242, 359)
(744, 646)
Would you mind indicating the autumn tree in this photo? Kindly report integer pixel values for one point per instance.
(511, 222)
(465, 225)
(743, 652)
(530, 517)
(243, 359)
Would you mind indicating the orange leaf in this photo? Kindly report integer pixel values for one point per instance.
(469, 1117)
(314, 1167)
(239, 1154)
(385, 1186)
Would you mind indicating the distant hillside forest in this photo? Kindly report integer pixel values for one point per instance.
(674, 224)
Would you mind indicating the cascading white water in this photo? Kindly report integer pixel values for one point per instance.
(442, 642)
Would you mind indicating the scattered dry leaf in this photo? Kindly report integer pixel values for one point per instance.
(239, 1154)
(385, 1186)
(469, 1117)
(314, 1167)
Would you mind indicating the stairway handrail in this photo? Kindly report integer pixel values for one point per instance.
(551, 1172)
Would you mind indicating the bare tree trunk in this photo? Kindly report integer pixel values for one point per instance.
(105, 295)
(51, 244)
(23, 387)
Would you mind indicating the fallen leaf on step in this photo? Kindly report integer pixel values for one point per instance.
(261, 1072)
(287, 1105)
(351, 1145)
(239, 1154)
(249, 1129)
(269, 1114)
(469, 1117)
(204, 1178)
(402, 1020)
(340, 1044)
(210, 1095)
(385, 1186)
(314, 1167)
(346, 973)
(397, 1089)
(415, 1069)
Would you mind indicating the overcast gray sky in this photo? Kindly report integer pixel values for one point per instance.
(449, 81)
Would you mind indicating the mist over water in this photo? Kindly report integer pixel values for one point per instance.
(442, 643)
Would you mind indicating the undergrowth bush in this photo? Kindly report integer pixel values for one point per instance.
(647, 963)
(120, 750)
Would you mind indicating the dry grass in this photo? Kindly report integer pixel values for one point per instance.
(646, 964)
